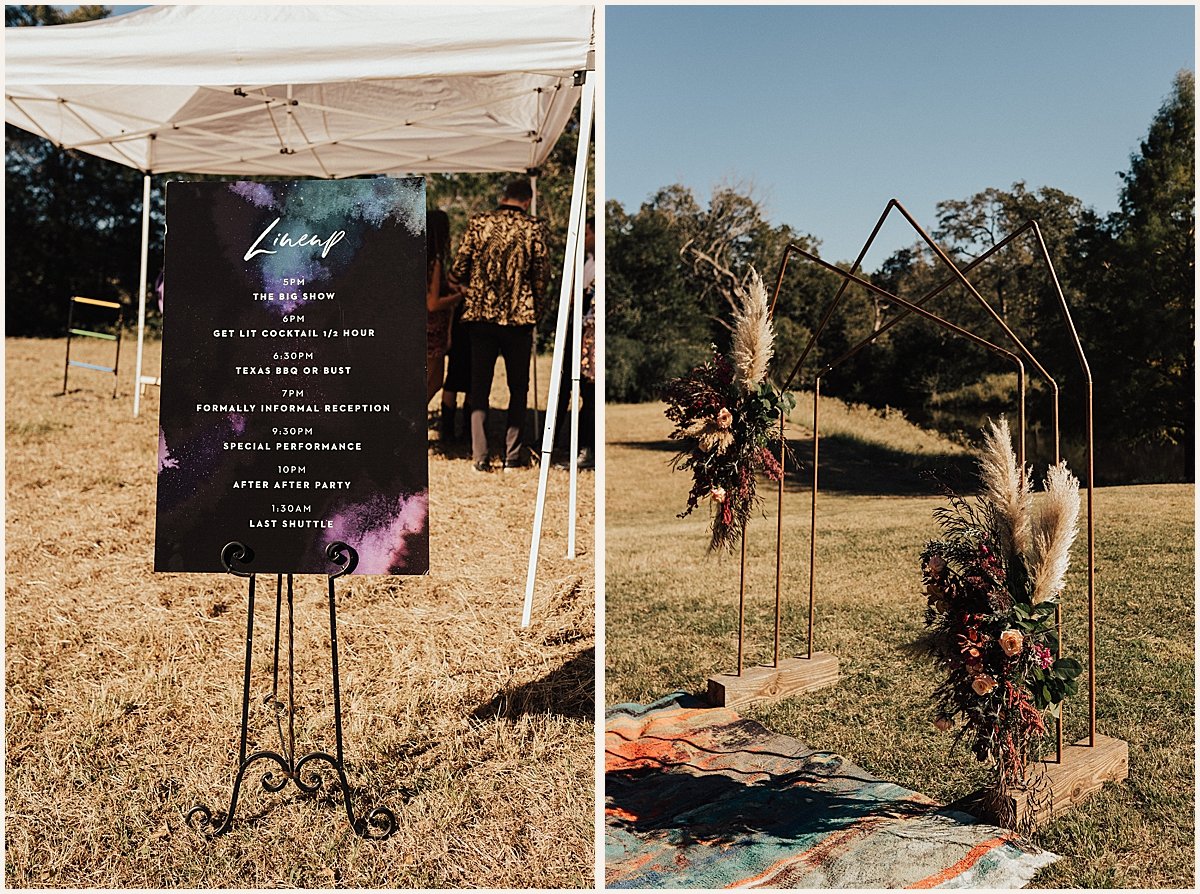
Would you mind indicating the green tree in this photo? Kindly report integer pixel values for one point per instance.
(24, 16)
(655, 328)
(73, 220)
(1138, 266)
(674, 269)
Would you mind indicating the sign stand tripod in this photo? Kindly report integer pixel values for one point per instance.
(380, 823)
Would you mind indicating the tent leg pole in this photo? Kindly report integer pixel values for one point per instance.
(564, 299)
(533, 354)
(137, 381)
(576, 356)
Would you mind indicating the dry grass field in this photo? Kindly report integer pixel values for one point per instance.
(123, 687)
(671, 621)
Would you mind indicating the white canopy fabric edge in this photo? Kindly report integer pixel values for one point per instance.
(189, 45)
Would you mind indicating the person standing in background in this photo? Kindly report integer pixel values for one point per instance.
(503, 267)
(458, 380)
(440, 298)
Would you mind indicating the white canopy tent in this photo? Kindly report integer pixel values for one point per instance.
(323, 91)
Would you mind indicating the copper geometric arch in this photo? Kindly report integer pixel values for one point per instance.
(906, 309)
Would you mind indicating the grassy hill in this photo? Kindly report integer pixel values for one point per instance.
(671, 621)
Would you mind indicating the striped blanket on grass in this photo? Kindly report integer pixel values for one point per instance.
(698, 797)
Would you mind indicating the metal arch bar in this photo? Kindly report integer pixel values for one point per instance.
(821, 327)
(903, 314)
(921, 302)
(946, 324)
(974, 293)
(958, 276)
(782, 442)
(812, 339)
(1091, 478)
(1044, 253)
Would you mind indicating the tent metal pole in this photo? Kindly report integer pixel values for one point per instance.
(533, 354)
(576, 358)
(574, 235)
(137, 378)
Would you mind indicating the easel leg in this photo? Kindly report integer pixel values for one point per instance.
(380, 817)
(379, 823)
(200, 817)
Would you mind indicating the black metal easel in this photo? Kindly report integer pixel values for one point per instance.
(379, 823)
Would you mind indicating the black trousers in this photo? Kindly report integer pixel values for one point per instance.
(514, 344)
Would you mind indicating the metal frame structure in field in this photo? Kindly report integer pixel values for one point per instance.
(917, 307)
(73, 330)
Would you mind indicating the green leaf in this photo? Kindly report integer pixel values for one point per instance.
(1067, 668)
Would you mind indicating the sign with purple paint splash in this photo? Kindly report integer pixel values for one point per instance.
(293, 376)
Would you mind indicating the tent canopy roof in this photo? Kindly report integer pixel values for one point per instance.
(325, 91)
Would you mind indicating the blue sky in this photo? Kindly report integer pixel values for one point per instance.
(827, 112)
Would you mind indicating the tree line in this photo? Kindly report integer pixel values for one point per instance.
(673, 267)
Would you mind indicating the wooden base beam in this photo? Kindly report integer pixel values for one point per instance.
(1056, 788)
(769, 683)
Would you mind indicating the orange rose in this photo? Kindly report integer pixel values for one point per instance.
(717, 495)
(983, 684)
(724, 418)
(1011, 642)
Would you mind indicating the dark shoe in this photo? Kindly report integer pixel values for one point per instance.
(587, 459)
(482, 467)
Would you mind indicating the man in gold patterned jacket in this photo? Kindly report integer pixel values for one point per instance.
(503, 266)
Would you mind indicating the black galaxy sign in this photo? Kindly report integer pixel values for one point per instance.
(293, 376)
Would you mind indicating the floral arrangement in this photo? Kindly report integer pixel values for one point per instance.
(992, 582)
(727, 413)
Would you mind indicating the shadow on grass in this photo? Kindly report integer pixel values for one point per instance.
(701, 800)
(710, 808)
(458, 445)
(852, 465)
(568, 691)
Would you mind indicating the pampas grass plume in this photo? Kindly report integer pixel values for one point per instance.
(1055, 529)
(1006, 487)
(753, 339)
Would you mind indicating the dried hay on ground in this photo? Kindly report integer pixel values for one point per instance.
(123, 687)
